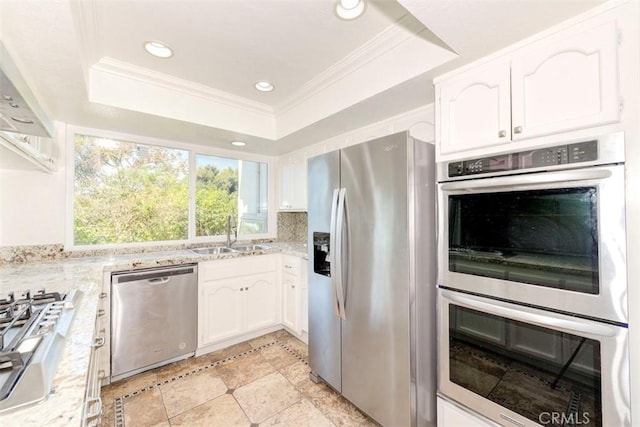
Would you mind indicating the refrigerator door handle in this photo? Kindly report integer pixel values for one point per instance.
(340, 223)
(332, 251)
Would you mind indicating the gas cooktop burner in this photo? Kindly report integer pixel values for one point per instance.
(15, 313)
(32, 333)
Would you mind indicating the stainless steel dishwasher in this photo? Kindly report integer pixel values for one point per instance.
(153, 318)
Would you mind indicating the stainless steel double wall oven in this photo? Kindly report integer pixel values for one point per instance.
(532, 285)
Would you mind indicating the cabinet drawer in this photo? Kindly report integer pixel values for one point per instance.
(244, 266)
(291, 264)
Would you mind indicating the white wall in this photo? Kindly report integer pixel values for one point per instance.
(32, 207)
(32, 203)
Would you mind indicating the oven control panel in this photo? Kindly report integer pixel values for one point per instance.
(550, 156)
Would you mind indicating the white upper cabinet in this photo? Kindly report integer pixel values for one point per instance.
(566, 83)
(292, 175)
(562, 83)
(475, 110)
(292, 172)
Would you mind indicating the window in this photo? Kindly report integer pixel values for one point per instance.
(126, 192)
(130, 193)
(230, 190)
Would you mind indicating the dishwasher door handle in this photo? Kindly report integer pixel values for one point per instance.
(159, 280)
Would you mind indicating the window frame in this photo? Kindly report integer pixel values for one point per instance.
(193, 150)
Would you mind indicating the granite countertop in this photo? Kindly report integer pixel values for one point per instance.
(63, 407)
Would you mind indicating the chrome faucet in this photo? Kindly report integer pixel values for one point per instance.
(235, 231)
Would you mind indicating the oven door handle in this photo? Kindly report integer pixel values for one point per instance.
(527, 315)
(529, 179)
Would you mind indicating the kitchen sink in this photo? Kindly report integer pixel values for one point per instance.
(213, 251)
(250, 248)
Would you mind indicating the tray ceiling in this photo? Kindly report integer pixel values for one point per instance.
(85, 59)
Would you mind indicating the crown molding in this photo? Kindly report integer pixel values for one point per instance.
(87, 24)
(186, 87)
(112, 82)
(405, 29)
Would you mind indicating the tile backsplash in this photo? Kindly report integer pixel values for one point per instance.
(292, 227)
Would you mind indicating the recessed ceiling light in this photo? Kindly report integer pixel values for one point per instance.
(349, 9)
(158, 49)
(264, 86)
(238, 143)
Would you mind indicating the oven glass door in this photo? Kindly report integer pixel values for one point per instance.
(545, 368)
(541, 237)
(536, 237)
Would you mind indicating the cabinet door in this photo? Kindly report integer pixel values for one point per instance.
(475, 109)
(285, 175)
(291, 300)
(261, 301)
(299, 184)
(221, 310)
(293, 181)
(566, 83)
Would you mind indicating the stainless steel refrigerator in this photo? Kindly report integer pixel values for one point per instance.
(372, 277)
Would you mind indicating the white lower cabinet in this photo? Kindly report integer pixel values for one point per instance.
(291, 292)
(240, 296)
(291, 301)
(261, 292)
(236, 296)
(222, 310)
(450, 415)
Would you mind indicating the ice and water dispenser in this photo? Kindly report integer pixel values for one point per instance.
(321, 250)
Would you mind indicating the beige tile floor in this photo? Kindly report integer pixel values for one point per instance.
(261, 382)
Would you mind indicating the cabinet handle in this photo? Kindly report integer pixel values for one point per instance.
(293, 286)
(103, 295)
(241, 289)
(502, 134)
(101, 312)
(517, 129)
(288, 266)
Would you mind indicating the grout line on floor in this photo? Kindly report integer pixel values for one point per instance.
(118, 402)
